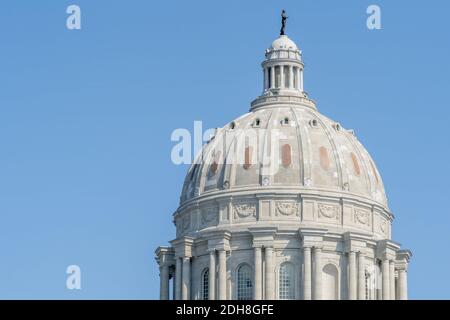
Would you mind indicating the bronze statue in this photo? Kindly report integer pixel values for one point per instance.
(283, 22)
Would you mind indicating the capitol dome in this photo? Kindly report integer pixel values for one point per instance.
(315, 154)
(283, 203)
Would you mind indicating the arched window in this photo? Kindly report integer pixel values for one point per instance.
(244, 283)
(286, 155)
(205, 284)
(286, 285)
(248, 158)
(330, 282)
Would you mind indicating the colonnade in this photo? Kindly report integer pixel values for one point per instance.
(178, 266)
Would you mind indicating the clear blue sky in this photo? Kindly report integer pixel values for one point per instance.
(86, 117)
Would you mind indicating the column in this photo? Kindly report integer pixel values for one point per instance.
(257, 285)
(300, 79)
(307, 274)
(164, 282)
(352, 276)
(272, 77)
(266, 79)
(291, 77)
(317, 290)
(174, 285)
(282, 84)
(178, 278)
(385, 277)
(222, 275)
(402, 285)
(361, 277)
(392, 280)
(186, 281)
(212, 275)
(270, 285)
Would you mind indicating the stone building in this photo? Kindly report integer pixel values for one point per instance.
(283, 203)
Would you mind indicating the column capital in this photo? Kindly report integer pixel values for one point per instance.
(355, 241)
(263, 236)
(165, 256)
(386, 249)
(183, 246)
(219, 240)
(402, 260)
(312, 237)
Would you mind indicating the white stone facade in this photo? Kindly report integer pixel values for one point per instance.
(310, 223)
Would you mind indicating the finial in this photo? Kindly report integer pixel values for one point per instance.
(283, 22)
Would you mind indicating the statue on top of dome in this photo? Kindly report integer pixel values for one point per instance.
(283, 22)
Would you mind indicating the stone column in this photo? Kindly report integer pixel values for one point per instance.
(272, 77)
(317, 290)
(186, 282)
(361, 277)
(402, 285)
(270, 285)
(212, 275)
(282, 84)
(174, 285)
(307, 273)
(392, 280)
(257, 283)
(291, 77)
(164, 282)
(386, 290)
(352, 276)
(222, 275)
(300, 79)
(178, 271)
(266, 79)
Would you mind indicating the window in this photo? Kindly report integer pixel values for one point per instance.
(248, 158)
(367, 285)
(286, 287)
(286, 155)
(244, 283)
(257, 122)
(324, 159)
(205, 284)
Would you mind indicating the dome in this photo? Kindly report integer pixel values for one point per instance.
(314, 153)
(283, 43)
(310, 169)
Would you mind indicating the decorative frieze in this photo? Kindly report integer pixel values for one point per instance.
(244, 210)
(361, 217)
(209, 216)
(383, 225)
(329, 211)
(185, 222)
(286, 208)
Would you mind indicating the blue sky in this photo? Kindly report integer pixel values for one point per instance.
(86, 117)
